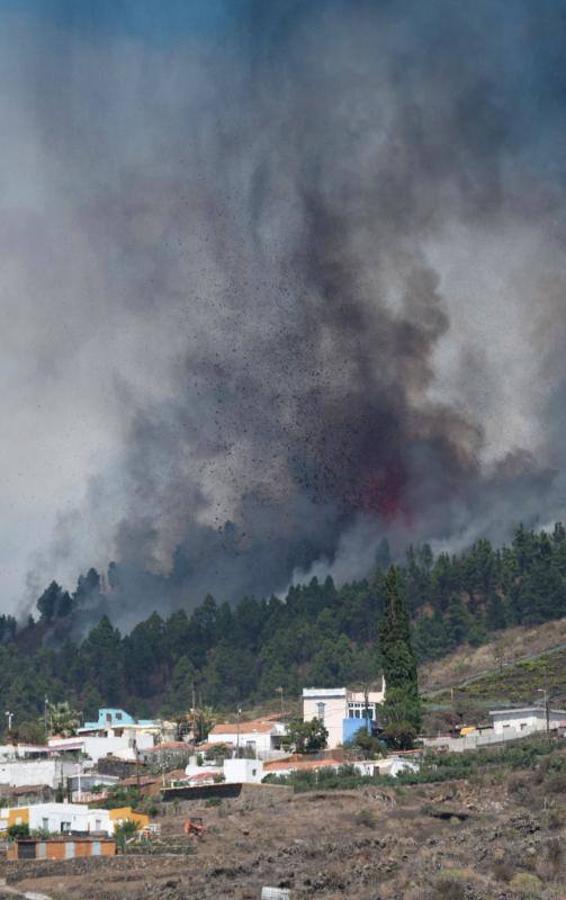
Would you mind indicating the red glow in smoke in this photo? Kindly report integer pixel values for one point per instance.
(383, 493)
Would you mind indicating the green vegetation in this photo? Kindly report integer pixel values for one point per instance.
(124, 832)
(401, 710)
(531, 753)
(226, 656)
(515, 685)
(18, 831)
(119, 796)
(62, 719)
(306, 737)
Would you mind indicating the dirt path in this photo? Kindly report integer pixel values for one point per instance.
(7, 891)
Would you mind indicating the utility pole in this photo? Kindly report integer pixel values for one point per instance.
(279, 691)
(162, 758)
(238, 734)
(45, 713)
(545, 692)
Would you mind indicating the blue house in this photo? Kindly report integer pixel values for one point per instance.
(108, 717)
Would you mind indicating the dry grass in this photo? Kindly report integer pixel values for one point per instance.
(508, 646)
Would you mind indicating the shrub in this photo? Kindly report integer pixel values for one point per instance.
(366, 817)
(526, 885)
(18, 831)
(502, 871)
(124, 832)
(451, 886)
(554, 853)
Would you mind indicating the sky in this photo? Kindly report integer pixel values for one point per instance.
(276, 281)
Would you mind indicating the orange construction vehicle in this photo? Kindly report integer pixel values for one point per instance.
(194, 826)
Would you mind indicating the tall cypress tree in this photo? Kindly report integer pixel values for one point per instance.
(402, 705)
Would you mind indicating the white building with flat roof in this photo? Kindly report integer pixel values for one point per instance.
(526, 719)
(52, 773)
(342, 711)
(261, 737)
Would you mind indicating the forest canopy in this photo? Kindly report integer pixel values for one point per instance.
(227, 656)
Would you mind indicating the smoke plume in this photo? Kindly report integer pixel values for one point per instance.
(277, 283)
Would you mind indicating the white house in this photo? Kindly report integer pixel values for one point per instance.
(261, 736)
(127, 745)
(49, 772)
(63, 818)
(243, 771)
(526, 719)
(390, 765)
(114, 733)
(342, 711)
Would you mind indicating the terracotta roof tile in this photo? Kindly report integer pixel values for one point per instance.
(259, 726)
(285, 765)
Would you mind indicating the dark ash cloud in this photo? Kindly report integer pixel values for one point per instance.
(306, 281)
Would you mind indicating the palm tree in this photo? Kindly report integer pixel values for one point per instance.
(203, 720)
(62, 719)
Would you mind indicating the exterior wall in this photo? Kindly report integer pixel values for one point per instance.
(477, 739)
(351, 726)
(50, 772)
(61, 849)
(526, 721)
(123, 747)
(248, 771)
(336, 705)
(117, 816)
(96, 746)
(259, 741)
(16, 816)
(51, 816)
(358, 698)
(88, 780)
(109, 716)
(333, 713)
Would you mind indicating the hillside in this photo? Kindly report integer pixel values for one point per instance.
(476, 828)
(513, 670)
(228, 657)
(504, 649)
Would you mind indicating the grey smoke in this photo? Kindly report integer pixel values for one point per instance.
(268, 300)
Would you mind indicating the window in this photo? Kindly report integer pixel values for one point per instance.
(119, 717)
(320, 707)
(65, 827)
(45, 824)
(359, 710)
(108, 717)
